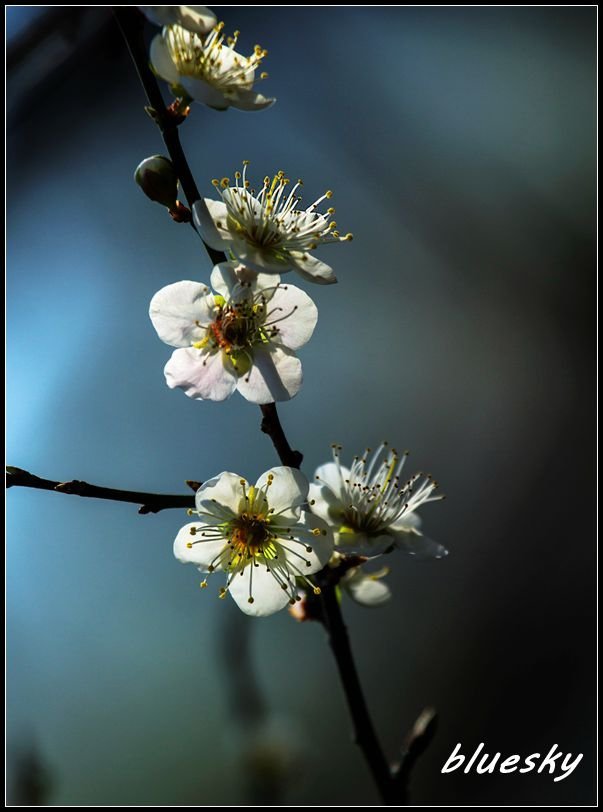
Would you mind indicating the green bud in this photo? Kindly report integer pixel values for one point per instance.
(158, 180)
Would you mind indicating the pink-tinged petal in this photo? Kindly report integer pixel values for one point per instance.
(210, 218)
(312, 269)
(200, 375)
(276, 375)
(247, 99)
(289, 488)
(162, 62)
(293, 314)
(256, 582)
(180, 312)
(200, 552)
(221, 496)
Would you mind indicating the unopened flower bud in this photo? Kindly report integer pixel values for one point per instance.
(158, 180)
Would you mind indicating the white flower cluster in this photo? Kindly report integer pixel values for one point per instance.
(241, 333)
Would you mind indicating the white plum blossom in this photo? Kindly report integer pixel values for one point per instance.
(266, 230)
(208, 69)
(241, 337)
(370, 509)
(259, 536)
(198, 19)
(366, 588)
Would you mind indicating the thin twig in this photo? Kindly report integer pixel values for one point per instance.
(149, 502)
(131, 22)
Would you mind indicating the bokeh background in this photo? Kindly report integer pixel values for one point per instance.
(460, 146)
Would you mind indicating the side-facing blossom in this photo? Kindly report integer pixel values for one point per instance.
(259, 536)
(242, 337)
(266, 230)
(198, 19)
(208, 69)
(370, 509)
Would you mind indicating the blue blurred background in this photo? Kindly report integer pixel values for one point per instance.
(460, 144)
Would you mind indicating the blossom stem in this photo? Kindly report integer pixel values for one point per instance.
(149, 502)
(131, 22)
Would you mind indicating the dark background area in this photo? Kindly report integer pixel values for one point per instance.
(460, 144)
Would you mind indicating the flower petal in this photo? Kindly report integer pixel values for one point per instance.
(407, 522)
(312, 269)
(196, 18)
(162, 62)
(299, 315)
(276, 374)
(229, 279)
(326, 504)
(200, 375)
(203, 92)
(258, 258)
(176, 309)
(248, 99)
(302, 561)
(419, 546)
(289, 488)
(210, 218)
(257, 582)
(201, 553)
(221, 495)
(363, 543)
(366, 589)
(333, 477)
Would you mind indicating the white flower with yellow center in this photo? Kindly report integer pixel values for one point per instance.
(241, 337)
(194, 18)
(370, 509)
(259, 536)
(208, 68)
(267, 231)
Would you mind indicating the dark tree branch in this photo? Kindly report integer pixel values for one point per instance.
(271, 425)
(149, 502)
(391, 783)
(364, 731)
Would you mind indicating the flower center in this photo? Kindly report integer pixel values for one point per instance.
(250, 535)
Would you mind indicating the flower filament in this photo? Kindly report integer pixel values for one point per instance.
(271, 220)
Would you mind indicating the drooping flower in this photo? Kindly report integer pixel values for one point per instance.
(198, 19)
(266, 230)
(241, 337)
(208, 69)
(259, 536)
(366, 588)
(370, 509)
